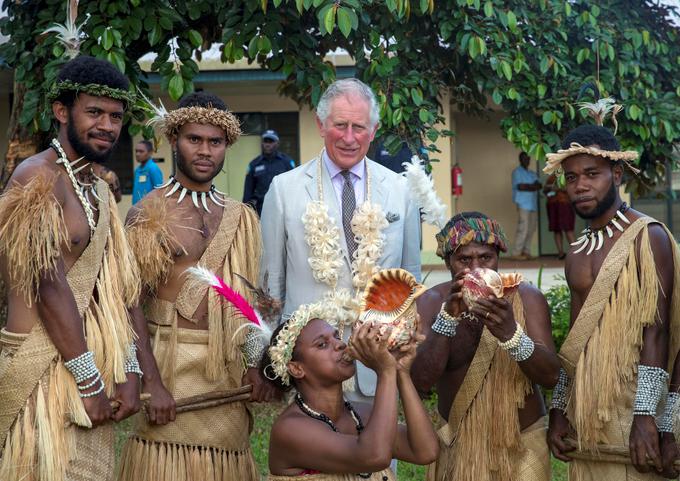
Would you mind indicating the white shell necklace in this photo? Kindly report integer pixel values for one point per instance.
(81, 189)
(594, 239)
(215, 196)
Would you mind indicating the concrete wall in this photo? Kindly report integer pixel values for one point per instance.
(487, 160)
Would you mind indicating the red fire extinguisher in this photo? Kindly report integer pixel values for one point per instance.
(456, 181)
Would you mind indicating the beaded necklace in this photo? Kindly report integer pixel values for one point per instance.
(304, 407)
(596, 236)
(80, 189)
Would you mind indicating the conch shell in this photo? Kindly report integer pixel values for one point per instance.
(483, 282)
(389, 300)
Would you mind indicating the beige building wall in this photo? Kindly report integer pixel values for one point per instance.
(487, 160)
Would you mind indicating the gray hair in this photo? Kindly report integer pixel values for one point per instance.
(348, 86)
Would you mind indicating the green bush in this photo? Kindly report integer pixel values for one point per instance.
(559, 301)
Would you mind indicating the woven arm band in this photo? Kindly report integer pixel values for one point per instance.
(651, 385)
(666, 421)
(559, 394)
(253, 348)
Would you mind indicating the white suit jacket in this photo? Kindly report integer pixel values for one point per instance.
(286, 252)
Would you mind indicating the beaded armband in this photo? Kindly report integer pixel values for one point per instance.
(445, 324)
(666, 421)
(559, 394)
(650, 387)
(83, 368)
(520, 347)
(131, 363)
(253, 348)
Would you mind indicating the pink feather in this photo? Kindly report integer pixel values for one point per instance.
(227, 292)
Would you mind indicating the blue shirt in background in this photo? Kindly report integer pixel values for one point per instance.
(526, 200)
(147, 177)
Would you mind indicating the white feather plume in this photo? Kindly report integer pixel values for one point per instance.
(158, 112)
(69, 34)
(424, 194)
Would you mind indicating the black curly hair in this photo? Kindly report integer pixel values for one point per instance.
(89, 70)
(202, 99)
(589, 134)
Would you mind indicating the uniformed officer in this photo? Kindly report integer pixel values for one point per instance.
(263, 168)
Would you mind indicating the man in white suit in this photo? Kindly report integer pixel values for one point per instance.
(342, 178)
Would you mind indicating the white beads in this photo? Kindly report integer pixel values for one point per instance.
(253, 348)
(83, 368)
(652, 382)
(666, 421)
(559, 399)
(131, 363)
(520, 347)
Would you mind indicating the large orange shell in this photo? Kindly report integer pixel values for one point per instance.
(389, 300)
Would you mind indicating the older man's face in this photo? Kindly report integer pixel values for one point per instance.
(347, 131)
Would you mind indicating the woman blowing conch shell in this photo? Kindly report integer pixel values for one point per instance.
(323, 437)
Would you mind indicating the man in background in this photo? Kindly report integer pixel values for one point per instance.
(263, 168)
(525, 186)
(147, 175)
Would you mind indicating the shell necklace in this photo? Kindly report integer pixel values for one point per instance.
(216, 197)
(304, 407)
(595, 237)
(81, 188)
(323, 237)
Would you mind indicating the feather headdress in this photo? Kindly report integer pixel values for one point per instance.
(237, 300)
(69, 34)
(423, 192)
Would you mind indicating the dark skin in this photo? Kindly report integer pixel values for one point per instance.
(444, 361)
(269, 147)
(202, 148)
(142, 153)
(96, 119)
(524, 162)
(299, 442)
(589, 179)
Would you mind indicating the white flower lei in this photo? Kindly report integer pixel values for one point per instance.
(323, 238)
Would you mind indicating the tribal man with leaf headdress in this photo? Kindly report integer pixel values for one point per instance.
(198, 348)
(487, 360)
(624, 278)
(67, 349)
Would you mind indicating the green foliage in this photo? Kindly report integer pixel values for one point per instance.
(559, 301)
(528, 57)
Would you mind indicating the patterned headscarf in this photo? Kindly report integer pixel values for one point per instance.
(469, 227)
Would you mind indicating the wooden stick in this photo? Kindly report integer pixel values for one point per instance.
(212, 403)
(606, 453)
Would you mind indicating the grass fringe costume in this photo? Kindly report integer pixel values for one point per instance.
(481, 440)
(210, 444)
(44, 429)
(602, 351)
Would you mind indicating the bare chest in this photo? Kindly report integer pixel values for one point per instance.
(465, 344)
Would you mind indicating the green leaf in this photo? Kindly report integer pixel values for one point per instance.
(329, 19)
(547, 117)
(634, 112)
(507, 70)
(176, 87)
(473, 47)
(344, 21)
(488, 9)
(424, 115)
(299, 5)
(264, 45)
(512, 21)
(155, 35)
(117, 60)
(645, 37)
(512, 93)
(496, 97)
(107, 39)
(595, 10)
(417, 96)
(165, 22)
(135, 3)
(541, 90)
(545, 64)
(195, 38)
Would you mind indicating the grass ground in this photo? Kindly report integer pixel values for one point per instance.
(264, 416)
